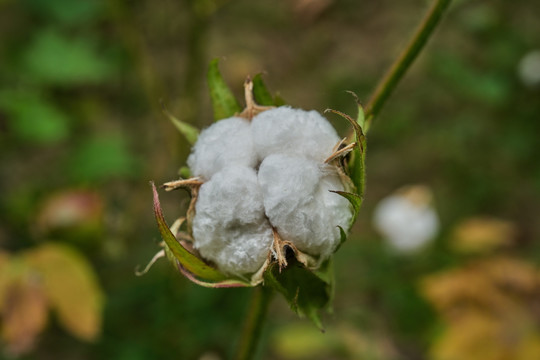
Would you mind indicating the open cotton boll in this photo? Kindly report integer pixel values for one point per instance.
(299, 205)
(294, 132)
(229, 227)
(407, 223)
(223, 144)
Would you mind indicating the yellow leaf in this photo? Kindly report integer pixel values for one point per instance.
(475, 337)
(496, 284)
(24, 314)
(4, 279)
(480, 234)
(511, 274)
(458, 287)
(301, 341)
(529, 348)
(71, 287)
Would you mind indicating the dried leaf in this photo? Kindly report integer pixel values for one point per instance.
(496, 284)
(482, 234)
(476, 337)
(4, 279)
(24, 314)
(81, 209)
(71, 288)
(357, 162)
(480, 336)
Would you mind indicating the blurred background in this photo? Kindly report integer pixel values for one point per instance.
(443, 262)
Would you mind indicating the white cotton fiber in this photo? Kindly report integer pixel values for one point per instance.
(229, 227)
(284, 130)
(226, 143)
(299, 205)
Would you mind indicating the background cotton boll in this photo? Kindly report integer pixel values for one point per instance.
(300, 206)
(293, 132)
(407, 219)
(225, 143)
(229, 227)
(529, 69)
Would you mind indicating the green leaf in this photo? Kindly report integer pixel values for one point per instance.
(102, 158)
(361, 117)
(190, 265)
(190, 132)
(261, 93)
(357, 166)
(278, 100)
(223, 100)
(184, 172)
(56, 59)
(307, 292)
(342, 237)
(66, 11)
(34, 119)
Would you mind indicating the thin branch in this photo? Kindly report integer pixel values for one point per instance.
(403, 62)
(251, 333)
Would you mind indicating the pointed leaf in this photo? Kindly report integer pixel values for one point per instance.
(306, 291)
(229, 283)
(223, 101)
(190, 132)
(261, 93)
(342, 238)
(190, 265)
(71, 287)
(278, 100)
(357, 167)
(358, 158)
(184, 172)
(361, 117)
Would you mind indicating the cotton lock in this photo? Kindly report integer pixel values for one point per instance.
(265, 177)
(225, 143)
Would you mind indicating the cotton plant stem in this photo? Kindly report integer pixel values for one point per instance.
(254, 323)
(403, 62)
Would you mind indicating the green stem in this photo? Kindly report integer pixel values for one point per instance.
(254, 322)
(403, 62)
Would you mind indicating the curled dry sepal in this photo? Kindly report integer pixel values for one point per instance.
(274, 192)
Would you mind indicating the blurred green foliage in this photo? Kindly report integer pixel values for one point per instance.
(80, 85)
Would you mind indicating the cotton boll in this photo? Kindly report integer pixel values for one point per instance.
(407, 219)
(294, 132)
(229, 227)
(529, 69)
(300, 206)
(226, 143)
